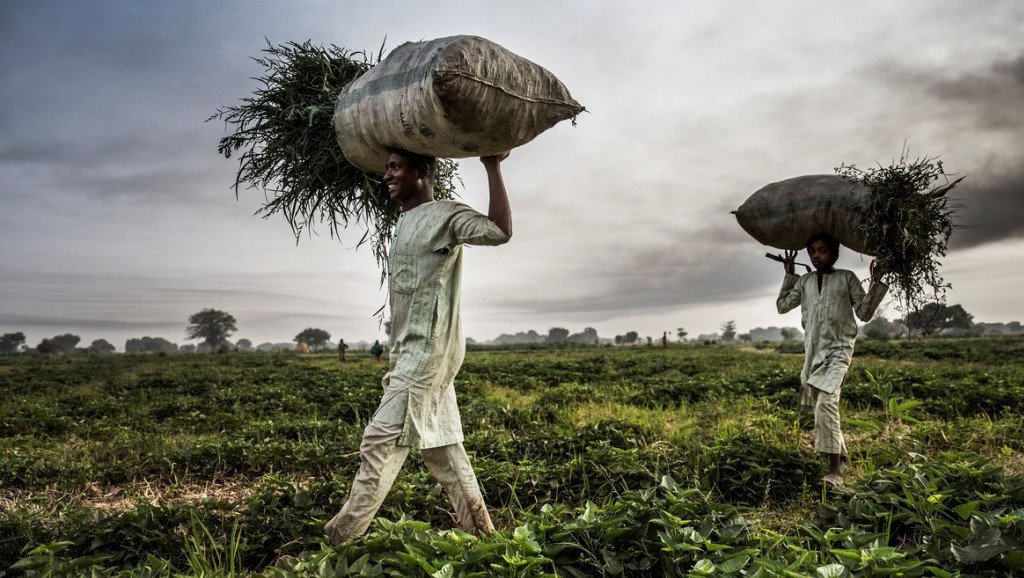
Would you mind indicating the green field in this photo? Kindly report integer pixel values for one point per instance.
(689, 460)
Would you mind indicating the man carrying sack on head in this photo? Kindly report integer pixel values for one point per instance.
(419, 409)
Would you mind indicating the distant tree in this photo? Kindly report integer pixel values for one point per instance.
(66, 343)
(789, 333)
(618, 340)
(222, 348)
(879, 328)
(149, 345)
(47, 346)
(558, 335)
(243, 344)
(589, 335)
(745, 337)
(187, 348)
(956, 318)
(212, 326)
(11, 342)
(315, 338)
(935, 317)
(530, 336)
(729, 331)
(101, 346)
(681, 334)
(630, 337)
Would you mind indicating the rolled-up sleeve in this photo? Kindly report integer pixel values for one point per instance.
(790, 294)
(868, 302)
(468, 226)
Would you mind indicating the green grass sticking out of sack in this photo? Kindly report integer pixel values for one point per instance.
(908, 225)
(290, 150)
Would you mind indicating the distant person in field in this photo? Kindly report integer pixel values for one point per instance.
(828, 299)
(418, 409)
(342, 346)
(376, 349)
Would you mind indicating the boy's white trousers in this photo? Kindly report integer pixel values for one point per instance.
(381, 459)
(828, 435)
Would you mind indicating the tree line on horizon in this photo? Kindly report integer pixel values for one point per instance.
(214, 327)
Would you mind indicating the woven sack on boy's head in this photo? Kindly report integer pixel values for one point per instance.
(786, 214)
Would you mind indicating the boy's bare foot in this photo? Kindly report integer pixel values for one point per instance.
(833, 481)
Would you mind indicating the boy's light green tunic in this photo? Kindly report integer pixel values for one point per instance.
(829, 326)
(427, 345)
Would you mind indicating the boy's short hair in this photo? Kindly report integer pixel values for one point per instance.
(831, 242)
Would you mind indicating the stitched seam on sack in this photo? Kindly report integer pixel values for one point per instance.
(513, 94)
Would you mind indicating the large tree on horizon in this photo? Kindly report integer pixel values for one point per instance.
(729, 331)
(212, 326)
(66, 343)
(101, 346)
(935, 317)
(315, 338)
(11, 342)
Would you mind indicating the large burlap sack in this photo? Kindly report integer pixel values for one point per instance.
(786, 214)
(454, 97)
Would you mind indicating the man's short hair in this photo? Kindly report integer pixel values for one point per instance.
(419, 161)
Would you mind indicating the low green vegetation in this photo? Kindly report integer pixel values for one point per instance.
(596, 461)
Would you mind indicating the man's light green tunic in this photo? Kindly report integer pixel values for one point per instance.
(827, 316)
(427, 345)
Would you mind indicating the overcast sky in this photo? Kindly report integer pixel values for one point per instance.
(118, 218)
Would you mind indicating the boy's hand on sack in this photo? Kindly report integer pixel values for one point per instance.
(788, 262)
(876, 270)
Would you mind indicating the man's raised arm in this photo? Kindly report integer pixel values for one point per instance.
(498, 210)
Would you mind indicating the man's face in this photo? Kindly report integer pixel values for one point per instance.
(402, 180)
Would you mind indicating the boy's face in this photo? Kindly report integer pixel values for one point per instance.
(821, 255)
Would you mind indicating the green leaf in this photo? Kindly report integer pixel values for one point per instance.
(1014, 559)
(30, 563)
(830, 571)
(446, 571)
(669, 483)
(360, 563)
(939, 572)
(975, 553)
(588, 513)
(703, 567)
(733, 565)
(966, 510)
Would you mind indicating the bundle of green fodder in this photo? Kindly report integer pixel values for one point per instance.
(898, 214)
(315, 135)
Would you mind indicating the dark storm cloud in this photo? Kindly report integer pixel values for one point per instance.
(992, 199)
(994, 96)
(993, 208)
(991, 101)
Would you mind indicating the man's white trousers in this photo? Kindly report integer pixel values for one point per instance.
(381, 459)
